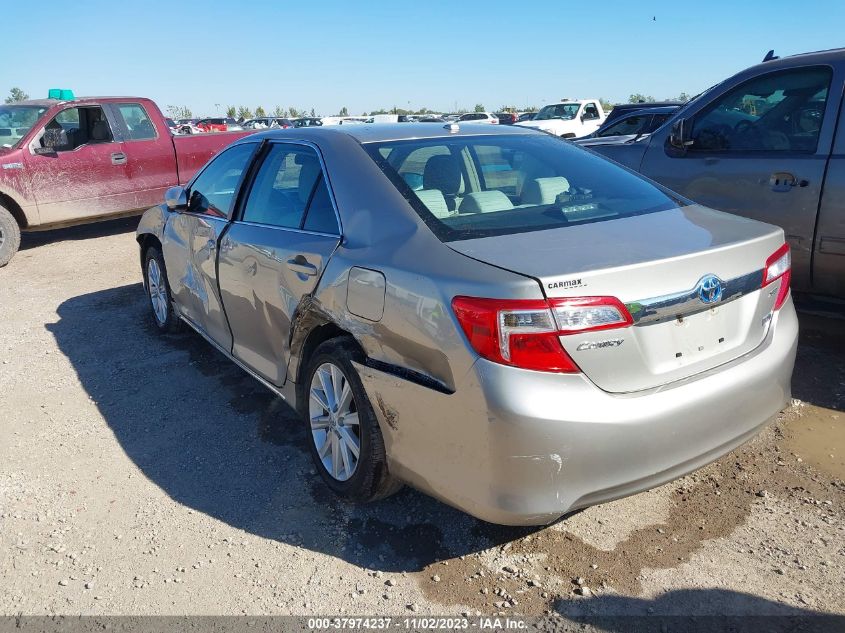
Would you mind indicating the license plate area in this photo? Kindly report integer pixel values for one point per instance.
(699, 336)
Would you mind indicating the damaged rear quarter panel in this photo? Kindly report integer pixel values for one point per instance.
(381, 232)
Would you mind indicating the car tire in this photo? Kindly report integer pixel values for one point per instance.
(158, 292)
(369, 479)
(10, 236)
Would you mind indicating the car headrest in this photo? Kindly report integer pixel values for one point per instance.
(443, 173)
(485, 202)
(100, 131)
(544, 190)
(435, 202)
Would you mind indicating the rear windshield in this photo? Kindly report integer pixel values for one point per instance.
(467, 187)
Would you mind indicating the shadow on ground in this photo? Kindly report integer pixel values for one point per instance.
(819, 377)
(34, 239)
(721, 609)
(215, 440)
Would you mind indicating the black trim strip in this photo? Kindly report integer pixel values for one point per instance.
(410, 375)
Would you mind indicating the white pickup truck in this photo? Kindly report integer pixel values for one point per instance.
(568, 119)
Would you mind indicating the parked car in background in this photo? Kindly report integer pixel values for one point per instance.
(82, 160)
(507, 118)
(479, 117)
(308, 121)
(769, 144)
(563, 334)
(624, 109)
(263, 123)
(227, 124)
(171, 125)
(630, 127)
(568, 119)
(526, 116)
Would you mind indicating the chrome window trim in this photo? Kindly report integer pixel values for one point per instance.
(276, 227)
(687, 302)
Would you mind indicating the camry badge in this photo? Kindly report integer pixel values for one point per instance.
(614, 342)
(710, 289)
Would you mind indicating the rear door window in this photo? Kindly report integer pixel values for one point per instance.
(320, 216)
(139, 127)
(283, 187)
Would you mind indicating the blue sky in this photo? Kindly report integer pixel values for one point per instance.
(436, 54)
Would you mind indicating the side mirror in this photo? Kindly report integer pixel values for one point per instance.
(50, 140)
(681, 135)
(176, 198)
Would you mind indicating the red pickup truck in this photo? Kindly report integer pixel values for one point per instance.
(72, 162)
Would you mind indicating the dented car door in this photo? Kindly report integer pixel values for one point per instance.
(274, 254)
(191, 241)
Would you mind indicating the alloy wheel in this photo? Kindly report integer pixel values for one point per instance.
(157, 290)
(333, 415)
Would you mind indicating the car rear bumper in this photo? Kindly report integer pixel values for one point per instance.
(519, 447)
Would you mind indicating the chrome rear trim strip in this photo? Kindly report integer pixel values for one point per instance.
(670, 307)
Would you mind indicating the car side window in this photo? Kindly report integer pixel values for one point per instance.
(778, 112)
(283, 186)
(658, 120)
(320, 216)
(138, 124)
(214, 190)
(628, 125)
(591, 112)
(74, 127)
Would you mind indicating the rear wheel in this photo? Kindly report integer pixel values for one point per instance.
(344, 436)
(158, 291)
(10, 236)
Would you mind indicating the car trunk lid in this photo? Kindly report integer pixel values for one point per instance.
(664, 266)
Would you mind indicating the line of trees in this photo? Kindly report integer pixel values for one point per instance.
(15, 95)
(641, 98)
(244, 112)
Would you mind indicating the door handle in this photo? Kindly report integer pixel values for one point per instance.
(784, 181)
(301, 265)
(118, 158)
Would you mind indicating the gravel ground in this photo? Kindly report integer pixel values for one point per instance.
(142, 474)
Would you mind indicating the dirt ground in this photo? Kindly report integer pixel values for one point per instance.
(142, 474)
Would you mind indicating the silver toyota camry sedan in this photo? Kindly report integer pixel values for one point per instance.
(492, 315)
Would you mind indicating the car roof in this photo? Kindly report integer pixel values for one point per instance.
(79, 100)
(657, 110)
(377, 132)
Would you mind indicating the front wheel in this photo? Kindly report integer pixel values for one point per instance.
(158, 291)
(345, 440)
(10, 237)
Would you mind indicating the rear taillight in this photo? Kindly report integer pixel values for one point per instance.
(779, 266)
(525, 333)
